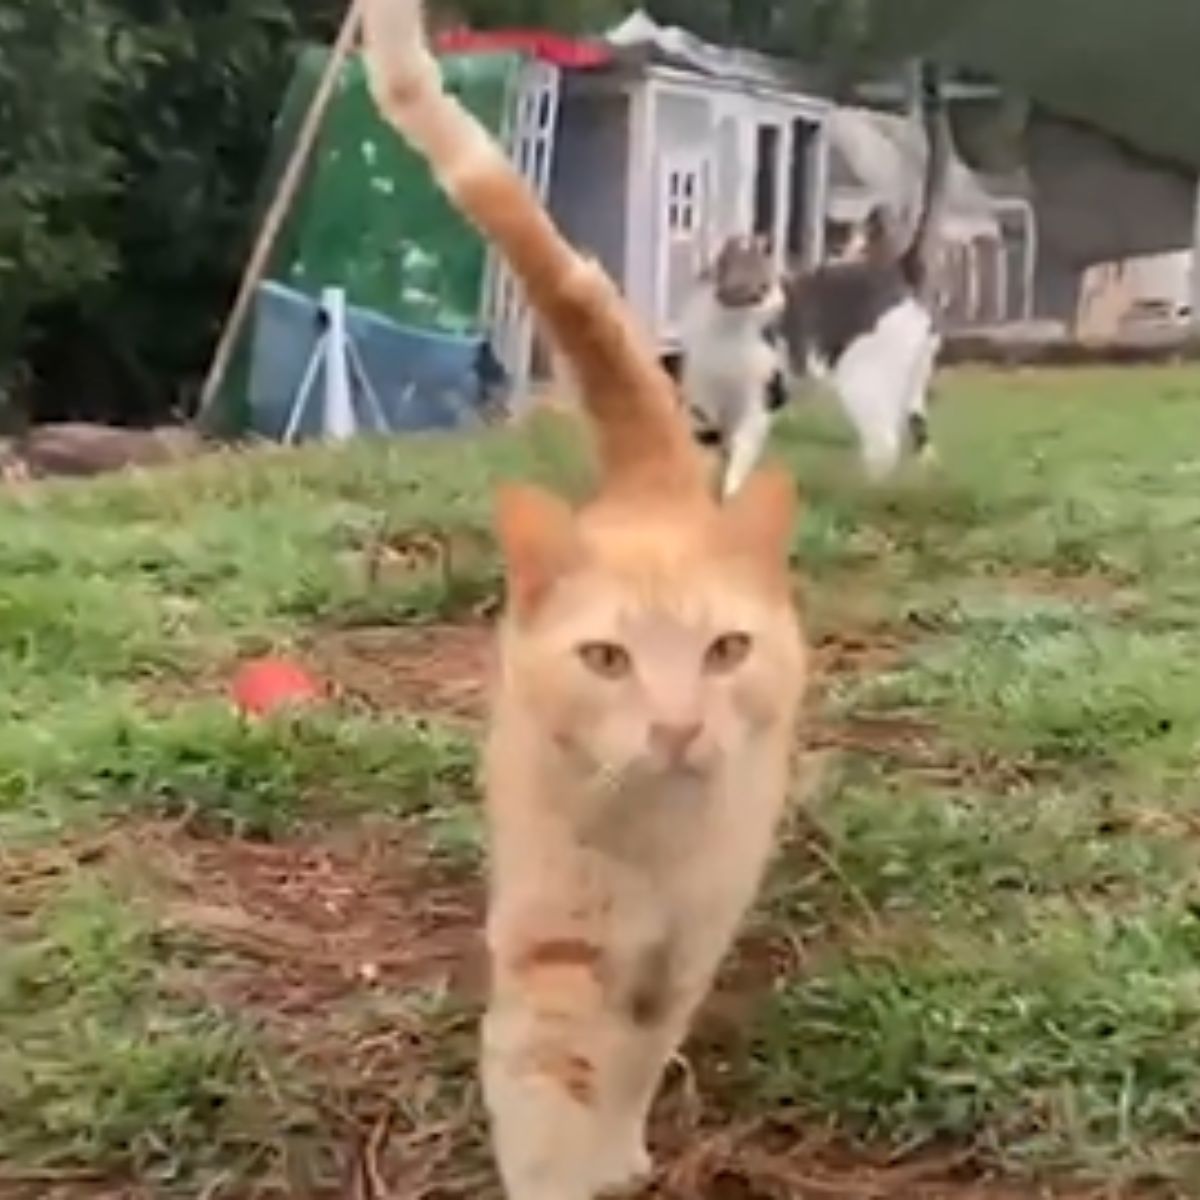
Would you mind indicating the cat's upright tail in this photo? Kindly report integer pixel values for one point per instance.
(643, 437)
(917, 259)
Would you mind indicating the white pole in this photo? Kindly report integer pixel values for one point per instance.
(1031, 261)
(338, 419)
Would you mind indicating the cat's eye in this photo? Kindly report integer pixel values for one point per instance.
(728, 653)
(606, 659)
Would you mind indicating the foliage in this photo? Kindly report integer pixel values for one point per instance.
(132, 138)
(188, 122)
(56, 61)
(568, 15)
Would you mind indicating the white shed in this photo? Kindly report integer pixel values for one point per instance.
(652, 158)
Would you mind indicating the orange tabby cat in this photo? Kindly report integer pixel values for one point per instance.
(651, 667)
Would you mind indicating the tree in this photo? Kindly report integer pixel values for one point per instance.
(58, 58)
(570, 16)
(189, 123)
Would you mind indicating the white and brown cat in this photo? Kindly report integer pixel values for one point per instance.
(650, 672)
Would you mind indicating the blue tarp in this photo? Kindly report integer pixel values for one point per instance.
(423, 380)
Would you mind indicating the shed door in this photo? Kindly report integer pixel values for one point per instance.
(684, 218)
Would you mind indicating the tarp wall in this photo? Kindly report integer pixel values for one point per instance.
(368, 217)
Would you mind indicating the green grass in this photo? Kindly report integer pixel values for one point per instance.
(99, 1066)
(999, 922)
(255, 780)
(1020, 969)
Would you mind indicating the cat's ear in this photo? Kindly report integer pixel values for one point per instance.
(759, 517)
(538, 542)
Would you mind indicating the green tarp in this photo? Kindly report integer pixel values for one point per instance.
(372, 220)
(369, 217)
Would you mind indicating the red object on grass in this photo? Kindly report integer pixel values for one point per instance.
(571, 53)
(265, 685)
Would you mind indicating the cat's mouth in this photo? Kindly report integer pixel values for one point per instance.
(651, 769)
(696, 764)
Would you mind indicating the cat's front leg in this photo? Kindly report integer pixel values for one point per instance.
(542, 1101)
(746, 445)
(568, 1079)
(630, 1169)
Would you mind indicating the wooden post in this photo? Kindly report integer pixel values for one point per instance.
(281, 202)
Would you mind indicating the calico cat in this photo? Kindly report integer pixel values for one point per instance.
(649, 676)
(868, 326)
(731, 372)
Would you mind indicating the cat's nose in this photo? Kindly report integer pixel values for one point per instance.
(673, 738)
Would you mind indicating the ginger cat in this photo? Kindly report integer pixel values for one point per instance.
(651, 668)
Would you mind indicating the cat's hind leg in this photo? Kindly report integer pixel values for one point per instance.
(543, 1111)
(919, 437)
(872, 400)
(876, 382)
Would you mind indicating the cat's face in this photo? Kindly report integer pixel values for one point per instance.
(743, 274)
(660, 646)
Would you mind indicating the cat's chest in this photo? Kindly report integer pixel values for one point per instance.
(676, 824)
(735, 359)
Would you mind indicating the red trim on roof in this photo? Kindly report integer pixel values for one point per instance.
(570, 53)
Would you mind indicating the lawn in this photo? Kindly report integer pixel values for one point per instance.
(241, 959)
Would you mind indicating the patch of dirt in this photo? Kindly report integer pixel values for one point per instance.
(309, 923)
(64, 1185)
(917, 746)
(435, 670)
(858, 652)
(396, 554)
(30, 877)
(778, 1159)
(909, 741)
(891, 734)
(1093, 588)
(866, 651)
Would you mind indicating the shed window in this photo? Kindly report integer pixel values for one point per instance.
(683, 202)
